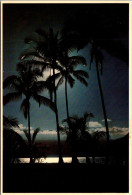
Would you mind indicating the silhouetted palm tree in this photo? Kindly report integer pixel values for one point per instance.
(78, 131)
(67, 72)
(103, 31)
(45, 56)
(97, 55)
(26, 83)
(72, 136)
(13, 144)
(35, 132)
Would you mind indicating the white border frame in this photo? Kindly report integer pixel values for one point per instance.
(130, 86)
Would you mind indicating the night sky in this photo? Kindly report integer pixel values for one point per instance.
(20, 21)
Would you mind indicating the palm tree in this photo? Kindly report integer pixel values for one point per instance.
(36, 131)
(78, 131)
(72, 136)
(13, 144)
(97, 55)
(103, 33)
(45, 56)
(26, 83)
(67, 72)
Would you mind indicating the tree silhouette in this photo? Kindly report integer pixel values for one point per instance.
(45, 56)
(78, 132)
(26, 83)
(67, 72)
(103, 33)
(36, 131)
(98, 56)
(13, 144)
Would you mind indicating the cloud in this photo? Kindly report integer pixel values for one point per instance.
(119, 130)
(94, 124)
(21, 128)
(48, 132)
(18, 131)
(42, 135)
(115, 132)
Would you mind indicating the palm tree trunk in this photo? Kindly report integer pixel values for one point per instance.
(66, 97)
(104, 111)
(74, 157)
(30, 144)
(57, 122)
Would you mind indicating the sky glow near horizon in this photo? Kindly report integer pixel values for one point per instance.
(115, 132)
(81, 99)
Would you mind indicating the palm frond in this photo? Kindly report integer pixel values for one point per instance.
(75, 60)
(59, 66)
(81, 79)
(39, 86)
(85, 115)
(23, 65)
(9, 122)
(32, 54)
(51, 79)
(71, 81)
(12, 82)
(24, 107)
(27, 135)
(34, 37)
(36, 131)
(59, 82)
(44, 101)
(71, 119)
(88, 115)
(81, 73)
(11, 97)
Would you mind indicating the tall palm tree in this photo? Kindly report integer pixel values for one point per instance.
(97, 55)
(66, 67)
(103, 32)
(45, 56)
(26, 83)
(95, 39)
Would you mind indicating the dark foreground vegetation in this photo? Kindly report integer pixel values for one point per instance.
(65, 178)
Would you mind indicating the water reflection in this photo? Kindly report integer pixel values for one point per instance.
(100, 160)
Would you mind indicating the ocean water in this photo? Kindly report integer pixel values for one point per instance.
(100, 160)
